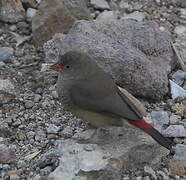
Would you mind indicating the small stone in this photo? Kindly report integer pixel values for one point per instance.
(22, 25)
(176, 168)
(179, 77)
(48, 159)
(105, 15)
(45, 171)
(100, 4)
(6, 167)
(1, 140)
(146, 178)
(159, 117)
(158, 1)
(29, 4)
(7, 155)
(125, 6)
(54, 94)
(29, 104)
(52, 129)
(37, 98)
(6, 53)
(89, 147)
(14, 174)
(16, 123)
(37, 177)
(166, 171)
(174, 119)
(126, 178)
(150, 171)
(7, 86)
(178, 140)
(138, 16)
(177, 91)
(139, 178)
(162, 28)
(180, 29)
(177, 177)
(67, 132)
(45, 67)
(11, 11)
(163, 175)
(39, 90)
(38, 1)
(13, 27)
(179, 109)
(30, 134)
(2, 64)
(183, 13)
(21, 164)
(180, 154)
(30, 14)
(20, 136)
(40, 135)
(175, 131)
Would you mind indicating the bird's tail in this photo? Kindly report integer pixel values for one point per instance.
(155, 134)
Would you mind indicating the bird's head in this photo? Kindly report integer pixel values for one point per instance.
(73, 64)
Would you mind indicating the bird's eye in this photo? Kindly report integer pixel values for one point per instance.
(67, 67)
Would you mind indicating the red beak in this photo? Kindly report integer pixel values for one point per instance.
(59, 66)
(56, 66)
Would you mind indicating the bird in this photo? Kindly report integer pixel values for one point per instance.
(91, 94)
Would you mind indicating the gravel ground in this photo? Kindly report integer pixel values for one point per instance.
(31, 117)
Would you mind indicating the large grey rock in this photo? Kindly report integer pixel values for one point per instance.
(11, 11)
(105, 154)
(57, 16)
(137, 54)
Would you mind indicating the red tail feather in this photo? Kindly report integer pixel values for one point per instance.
(157, 136)
(141, 124)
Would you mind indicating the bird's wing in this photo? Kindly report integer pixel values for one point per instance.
(103, 98)
(134, 103)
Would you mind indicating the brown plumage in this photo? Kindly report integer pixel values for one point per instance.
(91, 94)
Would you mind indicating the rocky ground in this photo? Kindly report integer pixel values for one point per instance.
(32, 120)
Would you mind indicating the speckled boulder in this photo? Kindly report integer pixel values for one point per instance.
(137, 54)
